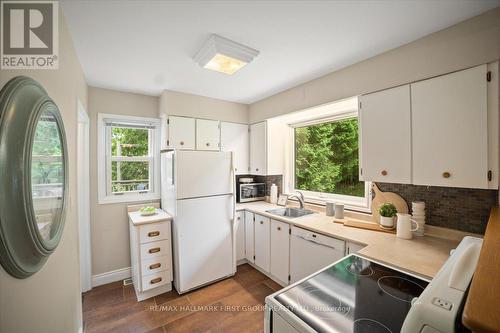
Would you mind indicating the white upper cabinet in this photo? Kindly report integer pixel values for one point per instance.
(181, 132)
(450, 130)
(385, 127)
(207, 134)
(258, 149)
(235, 137)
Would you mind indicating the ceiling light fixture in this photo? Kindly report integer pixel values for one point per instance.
(223, 55)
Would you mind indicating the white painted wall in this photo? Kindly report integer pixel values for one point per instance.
(181, 104)
(467, 44)
(50, 300)
(109, 222)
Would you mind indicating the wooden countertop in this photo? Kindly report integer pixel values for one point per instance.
(137, 219)
(423, 256)
(482, 308)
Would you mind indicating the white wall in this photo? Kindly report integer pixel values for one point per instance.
(109, 222)
(469, 43)
(50, 300)
(181, 104)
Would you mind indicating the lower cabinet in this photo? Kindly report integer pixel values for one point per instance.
(262, 242)
(280, 250)
(351, 247)
(249, 237)
(240, 235)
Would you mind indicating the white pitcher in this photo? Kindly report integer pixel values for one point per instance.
(404, 229)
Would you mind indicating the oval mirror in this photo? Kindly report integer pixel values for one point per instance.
(33, 176)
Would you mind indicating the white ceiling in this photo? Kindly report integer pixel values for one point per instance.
(148, 46)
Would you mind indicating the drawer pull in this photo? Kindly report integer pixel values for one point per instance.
(157, 280)
(446, 174)
(154, 250)
(384, 172)
(155, 266)
(153, 233)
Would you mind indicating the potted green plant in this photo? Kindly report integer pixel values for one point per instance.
(387, 213)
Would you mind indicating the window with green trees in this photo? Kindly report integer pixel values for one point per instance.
(130, 159)
(326, 158)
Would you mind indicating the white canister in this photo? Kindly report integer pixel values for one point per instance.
(404, 228)
(339, 211)
(330, 209)
(274, 194)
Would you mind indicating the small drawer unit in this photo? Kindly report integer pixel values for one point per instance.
(151, 253)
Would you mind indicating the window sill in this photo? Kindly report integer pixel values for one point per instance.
(348, 205)
(128, 198)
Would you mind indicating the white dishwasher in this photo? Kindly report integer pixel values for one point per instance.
(310, 251)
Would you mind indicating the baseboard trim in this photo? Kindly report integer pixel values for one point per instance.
(112, 276)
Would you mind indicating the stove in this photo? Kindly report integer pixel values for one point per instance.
(353, 295)
(358, 295)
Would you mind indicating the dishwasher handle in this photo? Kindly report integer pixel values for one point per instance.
(313, 239)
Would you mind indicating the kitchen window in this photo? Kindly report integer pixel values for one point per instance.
(128, 158)
(326, 161)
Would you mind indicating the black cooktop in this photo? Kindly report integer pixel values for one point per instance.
(354, 295)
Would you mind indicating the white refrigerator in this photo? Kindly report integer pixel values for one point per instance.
(198, 190)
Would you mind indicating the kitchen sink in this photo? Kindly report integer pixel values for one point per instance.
(290, 212)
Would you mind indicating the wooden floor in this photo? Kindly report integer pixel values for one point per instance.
(232, 305)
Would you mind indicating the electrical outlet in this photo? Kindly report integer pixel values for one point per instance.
(442, 303)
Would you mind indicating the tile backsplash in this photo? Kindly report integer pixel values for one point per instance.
(268, 180)
(457, 208)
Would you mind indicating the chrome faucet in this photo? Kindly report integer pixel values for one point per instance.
(299, 197)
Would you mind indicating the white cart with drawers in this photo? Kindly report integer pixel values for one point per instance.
(151, 253)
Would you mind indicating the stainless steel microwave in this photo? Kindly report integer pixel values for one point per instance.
(251, 192)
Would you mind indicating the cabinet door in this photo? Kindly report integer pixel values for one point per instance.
(353, 247)
(258, 149)
(450, 130)
(181, 132)
(280, 250)
(385, 131)
(235, 137)
(207, 134)
(240, 235)
(249, 236)
(262, 242)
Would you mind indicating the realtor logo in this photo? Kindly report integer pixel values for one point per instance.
(30, 35)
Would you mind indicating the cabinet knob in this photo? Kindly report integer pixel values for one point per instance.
(279, 228)
(257, 169)
(182, 143)
(239, 218)
(384, 172)
(446, 174)
(261, 222)
(235, 169)
(208, 144)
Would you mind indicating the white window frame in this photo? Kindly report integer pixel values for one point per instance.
(362, 204)
(104, 159)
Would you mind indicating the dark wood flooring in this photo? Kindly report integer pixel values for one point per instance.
(235, 304)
